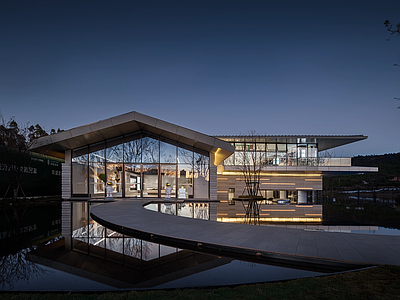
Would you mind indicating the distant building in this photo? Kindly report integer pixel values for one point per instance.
(39, 175)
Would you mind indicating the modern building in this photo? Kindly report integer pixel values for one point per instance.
(140, 155)
(290, 167)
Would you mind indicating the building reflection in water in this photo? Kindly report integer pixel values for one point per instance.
(120, 261)
(190, 210)
(133, 263)
(92, 238)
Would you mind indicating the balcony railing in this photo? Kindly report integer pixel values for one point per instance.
(315, 161)
(335, 162)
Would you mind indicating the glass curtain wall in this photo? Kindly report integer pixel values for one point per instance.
(133, 180)
(281, 154)
(150, 180)
(132, 167)
(150, 149)
(167, 153)
(201, 176)
(114, 160)
(140, 165)
(302, 155)
(168, 175)
(185, 172)
(97, 172)
(80, 171)
(271, 155)
(312, 154)
(291, 154)
(275, 154)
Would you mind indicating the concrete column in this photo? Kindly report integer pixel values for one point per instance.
(213, 178)
(314, 197)
(301, 197)
(66, 231)
(283, 194)
(213, 211)
(213, 188)
(66, 176)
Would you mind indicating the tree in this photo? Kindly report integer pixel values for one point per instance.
(389, 27)
(251, 162)
(393, 30)
(15, 158)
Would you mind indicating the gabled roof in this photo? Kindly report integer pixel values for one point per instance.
(324, 142)
(56, 144)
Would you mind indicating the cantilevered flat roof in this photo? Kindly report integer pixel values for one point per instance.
(56, 144)
(324, 142)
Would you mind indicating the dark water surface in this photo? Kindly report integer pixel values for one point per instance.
(28, 231)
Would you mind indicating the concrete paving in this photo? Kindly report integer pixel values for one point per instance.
(129, 216)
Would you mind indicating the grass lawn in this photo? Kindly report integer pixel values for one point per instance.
(375, 283)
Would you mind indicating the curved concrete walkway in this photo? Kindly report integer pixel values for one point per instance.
(260, 242)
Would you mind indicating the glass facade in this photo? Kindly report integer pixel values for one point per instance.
(275, 154)
(140, 165)
(80, 169)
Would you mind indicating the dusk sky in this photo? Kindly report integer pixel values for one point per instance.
(217, 67)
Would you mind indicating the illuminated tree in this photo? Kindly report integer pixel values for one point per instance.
(251, 161)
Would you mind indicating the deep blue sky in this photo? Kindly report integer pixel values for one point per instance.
(218, 67)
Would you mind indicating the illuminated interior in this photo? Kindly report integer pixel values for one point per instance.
(140, 165)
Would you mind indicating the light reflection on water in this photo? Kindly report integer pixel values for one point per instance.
(201, 211)
(189, 210)
(214, 273)
(19, 273)
(44, 278)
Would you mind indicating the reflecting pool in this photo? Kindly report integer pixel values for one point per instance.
(37, 270)
(33, 258)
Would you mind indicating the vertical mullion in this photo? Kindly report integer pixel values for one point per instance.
(123, 169)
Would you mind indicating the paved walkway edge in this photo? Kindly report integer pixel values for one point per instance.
(242, 253)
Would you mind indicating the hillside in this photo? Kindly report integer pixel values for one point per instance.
(387, 176)
(389, 164)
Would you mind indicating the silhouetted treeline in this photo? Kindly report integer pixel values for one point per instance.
(387, 176)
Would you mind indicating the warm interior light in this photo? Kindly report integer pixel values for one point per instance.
(278, 210)
(278, 183)
(277, 220)
(237, 173)
(312, 214)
